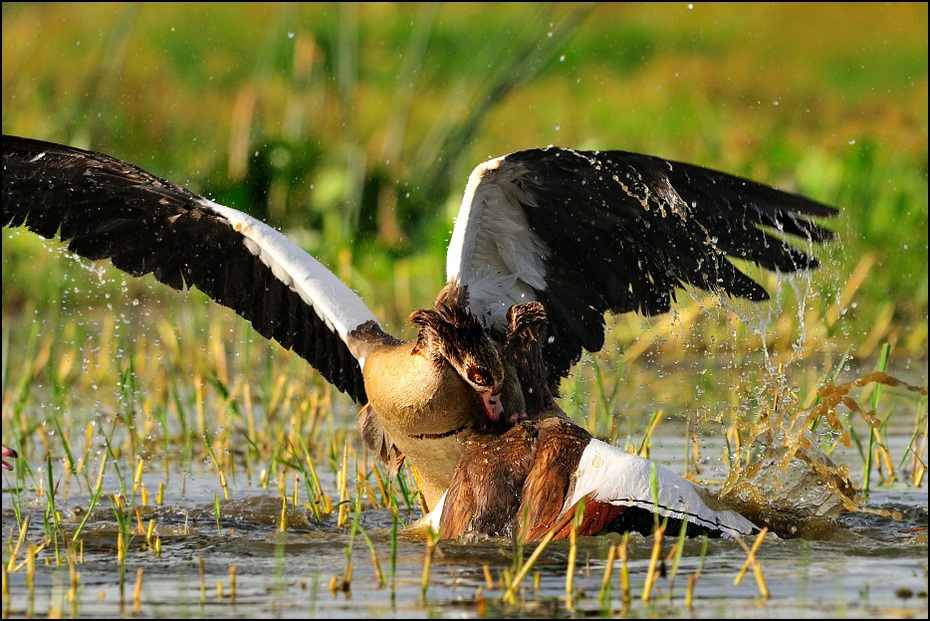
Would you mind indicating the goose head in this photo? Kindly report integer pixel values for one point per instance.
(450, 333)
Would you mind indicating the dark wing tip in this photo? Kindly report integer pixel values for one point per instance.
(625, 231)
(105, 208)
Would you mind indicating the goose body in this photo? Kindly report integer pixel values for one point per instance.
(528, 482)
(583, 232)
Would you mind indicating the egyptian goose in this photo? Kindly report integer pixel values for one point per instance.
(527, 482)
(584, 232)
(418, 408)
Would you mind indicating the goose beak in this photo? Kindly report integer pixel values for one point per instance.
(8, 452)
(493, 406)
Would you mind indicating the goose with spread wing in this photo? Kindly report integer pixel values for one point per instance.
(583, 232)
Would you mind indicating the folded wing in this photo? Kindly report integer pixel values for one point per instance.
(608, 475)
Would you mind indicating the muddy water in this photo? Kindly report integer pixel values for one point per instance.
(867, 565)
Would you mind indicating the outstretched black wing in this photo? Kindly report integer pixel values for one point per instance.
(107, 209)
(590, 232)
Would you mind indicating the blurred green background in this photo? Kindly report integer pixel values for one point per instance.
(353, 127)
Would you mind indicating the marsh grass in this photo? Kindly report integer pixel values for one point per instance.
(335, 135)
(753, 562)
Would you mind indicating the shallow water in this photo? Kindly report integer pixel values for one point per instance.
(867, 565)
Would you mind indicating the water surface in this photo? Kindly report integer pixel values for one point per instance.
(870, 565)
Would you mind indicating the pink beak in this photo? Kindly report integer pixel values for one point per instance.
(492, 405)
(8, 452)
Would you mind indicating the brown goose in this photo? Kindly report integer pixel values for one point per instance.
(418, 407)
(527, 482)
(584, 232)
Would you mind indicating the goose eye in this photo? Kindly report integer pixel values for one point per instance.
(479, 377)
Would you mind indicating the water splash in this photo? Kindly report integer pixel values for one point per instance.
(781, 478)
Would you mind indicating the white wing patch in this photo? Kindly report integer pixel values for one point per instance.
(493, 251)
(431, 520)
(338, 306)
(609, 474)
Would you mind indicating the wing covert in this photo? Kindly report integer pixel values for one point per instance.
(591, 232)
(104, 208)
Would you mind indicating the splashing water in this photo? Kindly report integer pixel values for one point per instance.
(782, 479)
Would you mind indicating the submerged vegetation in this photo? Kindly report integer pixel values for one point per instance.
(353, 128)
